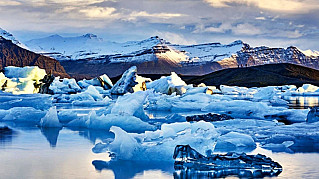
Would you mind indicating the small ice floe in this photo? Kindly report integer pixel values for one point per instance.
(191, 164)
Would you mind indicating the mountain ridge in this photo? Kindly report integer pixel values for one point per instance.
(13, 55)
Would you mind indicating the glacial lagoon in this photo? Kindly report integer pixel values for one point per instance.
(34, 153)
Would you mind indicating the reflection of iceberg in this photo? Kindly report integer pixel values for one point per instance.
(51, 134)
(129, 169)
(189, 164)
(6, 134)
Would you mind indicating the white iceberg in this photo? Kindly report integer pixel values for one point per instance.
(163, 84)
(159, 145)
(64, 86)
(126, 83)
(51, 119)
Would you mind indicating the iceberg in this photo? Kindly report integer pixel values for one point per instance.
(167, 84)
(233, 140)
(64, 86)
(21, 80)
(51, 119)
(131, 104)
(126, 82)
(22, 114)
(191, 164)
(159, 145)
(102, 81)
(313, 115)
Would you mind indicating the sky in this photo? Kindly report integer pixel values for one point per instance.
(274, 23)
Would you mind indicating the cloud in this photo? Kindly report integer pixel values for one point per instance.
(246, 29)
(174, 38)
(98, 12)
(9, 3)
(287, 6)
(134, 15)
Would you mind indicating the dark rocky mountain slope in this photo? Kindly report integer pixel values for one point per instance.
(13, 55)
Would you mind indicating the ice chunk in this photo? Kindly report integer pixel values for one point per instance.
(102, 81)
(232, 140)
(51, 119)
(313, 115)
(190, 163)
(64, 86)
(141, 83)
(131, 104)
(27, 72)
(127, 122)
(235, 90)
(22, 80)
(163, 84)
(126, 83)
(22, 114)
(37, 101)
(159, 145)
(66, 116)
(94, 93)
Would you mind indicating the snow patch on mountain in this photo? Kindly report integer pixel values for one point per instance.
(8, 36)
(310, 53)
(89, 46)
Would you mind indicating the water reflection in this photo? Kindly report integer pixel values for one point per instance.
(94, 135)
(6, 135)
(129, 169)
(51, 134)
(302, 102)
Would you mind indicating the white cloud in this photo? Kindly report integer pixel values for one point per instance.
(136, 14)
(288, 6)
(9, 3)
(246, 29)
(174, 38)
(98, 12)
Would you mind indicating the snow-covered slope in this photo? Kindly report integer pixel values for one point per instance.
(89, 46)
(8, 36)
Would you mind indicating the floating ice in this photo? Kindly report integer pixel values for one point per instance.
(163, 84)
(141, 83)
(233, 140)
(191, 164)
(22, 114)
(127, 122)
(64, 86)
(21, 80)
(313, 115)
(131, 104)
(159, 145)
(126, 83)
(102, 81)
(51, 119)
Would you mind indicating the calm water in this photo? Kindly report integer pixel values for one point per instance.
(34, 153)
(302, 102)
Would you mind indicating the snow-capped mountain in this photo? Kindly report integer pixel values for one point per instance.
(14, 53)
(8, 36)
(157, 56)
(89, 46)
